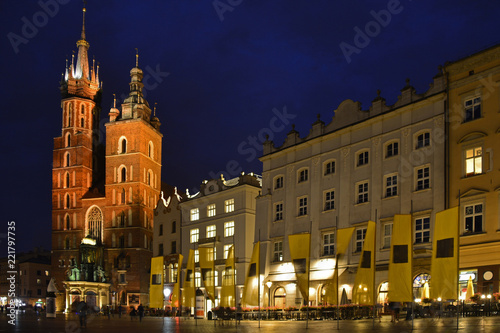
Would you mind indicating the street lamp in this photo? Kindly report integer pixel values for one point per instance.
(268, 284)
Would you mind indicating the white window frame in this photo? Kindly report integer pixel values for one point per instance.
(279, 182)
(302, 203)
(328, 241)
(391, 186)
(387, 235)
(424, 142)
(394, 149)
(278, 251)
(362, 193)
(211, 231)
(194, 214)
(472, 157)
(475, 101)
(278, 211)
(422, 178)
(194, 235)
(329, 167)
(473, 215)
(211, 210)
(329, 200)
(302, 175)
(228, 229)
(422, 233)
(360, 236)
(229, 206)
(362, 158)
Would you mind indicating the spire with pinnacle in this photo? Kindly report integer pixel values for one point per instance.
(82, 63)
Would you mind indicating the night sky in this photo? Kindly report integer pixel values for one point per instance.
(224, 73)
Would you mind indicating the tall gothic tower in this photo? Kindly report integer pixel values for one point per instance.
(102, 222)
(75, 157)
(133, 181)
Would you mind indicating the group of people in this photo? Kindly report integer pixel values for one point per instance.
(82, 311)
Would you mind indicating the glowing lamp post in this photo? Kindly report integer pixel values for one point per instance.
(268, 284)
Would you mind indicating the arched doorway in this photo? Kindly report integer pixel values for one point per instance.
(91, 300)
(280, 297)
(421, 284)
(383, 290)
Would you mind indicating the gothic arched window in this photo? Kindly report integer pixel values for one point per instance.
(67, 223)
(94, 223)
(123, 175)
(66, 180)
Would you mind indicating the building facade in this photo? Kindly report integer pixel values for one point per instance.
(364, 165)
(473, 173)
(103, 197)
(221, 215)
(34, 277)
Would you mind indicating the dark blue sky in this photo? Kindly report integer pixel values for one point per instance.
(231, 71)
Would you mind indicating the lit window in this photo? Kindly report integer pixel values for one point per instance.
(391, 186)
(392, 149)
(473, 161)
(278, 183)
(226, 250)
(422, 230)
(387, 235)
(194, 235)
(329, 200)
(229, 206)
(197, 279)
(211, 231)
(195, 214)
(423, 140)
(150, 149)
(474, 218)
(66, 160)
(278, 212)
(329, 244)
(362, 158)
(362, 192)
(302, 206)
(303, 175)
(472, 109)
(211, 210)
(229, 229)
(278, 251)
(196, 255)
(360, 239)
(423, 178)
(329, 168)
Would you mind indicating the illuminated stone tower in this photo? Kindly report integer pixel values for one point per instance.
(133, 180)
(75, 158)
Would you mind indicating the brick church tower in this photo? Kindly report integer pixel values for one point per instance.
(102, 222)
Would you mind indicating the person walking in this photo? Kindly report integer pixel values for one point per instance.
(82, 309)
(140, 309)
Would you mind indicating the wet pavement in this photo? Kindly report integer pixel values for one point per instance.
(101, 324)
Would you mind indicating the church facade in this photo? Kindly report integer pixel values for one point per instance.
(103, 196)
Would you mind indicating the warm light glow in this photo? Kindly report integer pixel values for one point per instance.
(312, 292)
(462, 297)
(286, 268)
(483, 296)
(418, 300)
(167, 292)
(489, 296)
(439, 299)
(89, 241)
(269, 284)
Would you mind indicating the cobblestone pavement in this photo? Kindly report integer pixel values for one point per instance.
(70, 324)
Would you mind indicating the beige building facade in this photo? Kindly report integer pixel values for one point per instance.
(473, 164)
(364, 165)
